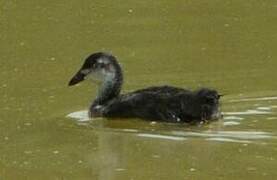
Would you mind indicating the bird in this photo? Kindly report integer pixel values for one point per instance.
(156, 103)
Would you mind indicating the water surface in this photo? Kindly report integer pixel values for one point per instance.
(227, 45)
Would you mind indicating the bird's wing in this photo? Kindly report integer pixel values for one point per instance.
(147, 104)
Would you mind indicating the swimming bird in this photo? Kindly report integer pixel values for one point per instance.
(156, 103)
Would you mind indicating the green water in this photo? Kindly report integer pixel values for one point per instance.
(227, 45)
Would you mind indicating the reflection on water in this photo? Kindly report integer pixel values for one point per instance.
(228, 140)
(229, 134)
(225, 136)
(254, 99)
(230, 119)
(160, 136)
(247, 112)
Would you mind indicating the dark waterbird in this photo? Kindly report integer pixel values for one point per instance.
(158, 103)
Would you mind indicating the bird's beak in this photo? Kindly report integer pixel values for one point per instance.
(78, 77)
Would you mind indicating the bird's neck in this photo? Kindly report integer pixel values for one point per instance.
(109, 88)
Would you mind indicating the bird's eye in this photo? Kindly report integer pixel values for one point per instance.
(94, 66)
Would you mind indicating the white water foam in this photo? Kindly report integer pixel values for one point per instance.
(81, 116)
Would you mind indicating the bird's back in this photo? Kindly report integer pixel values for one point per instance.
(164, 103)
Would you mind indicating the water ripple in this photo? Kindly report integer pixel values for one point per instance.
(254, 99)
(160, 136)
(247, 135)
(247, 112)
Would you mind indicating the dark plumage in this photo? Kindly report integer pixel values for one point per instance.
(161, 103)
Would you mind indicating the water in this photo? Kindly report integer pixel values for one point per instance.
(227, 45)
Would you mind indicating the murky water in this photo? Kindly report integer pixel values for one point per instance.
(227, 45)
